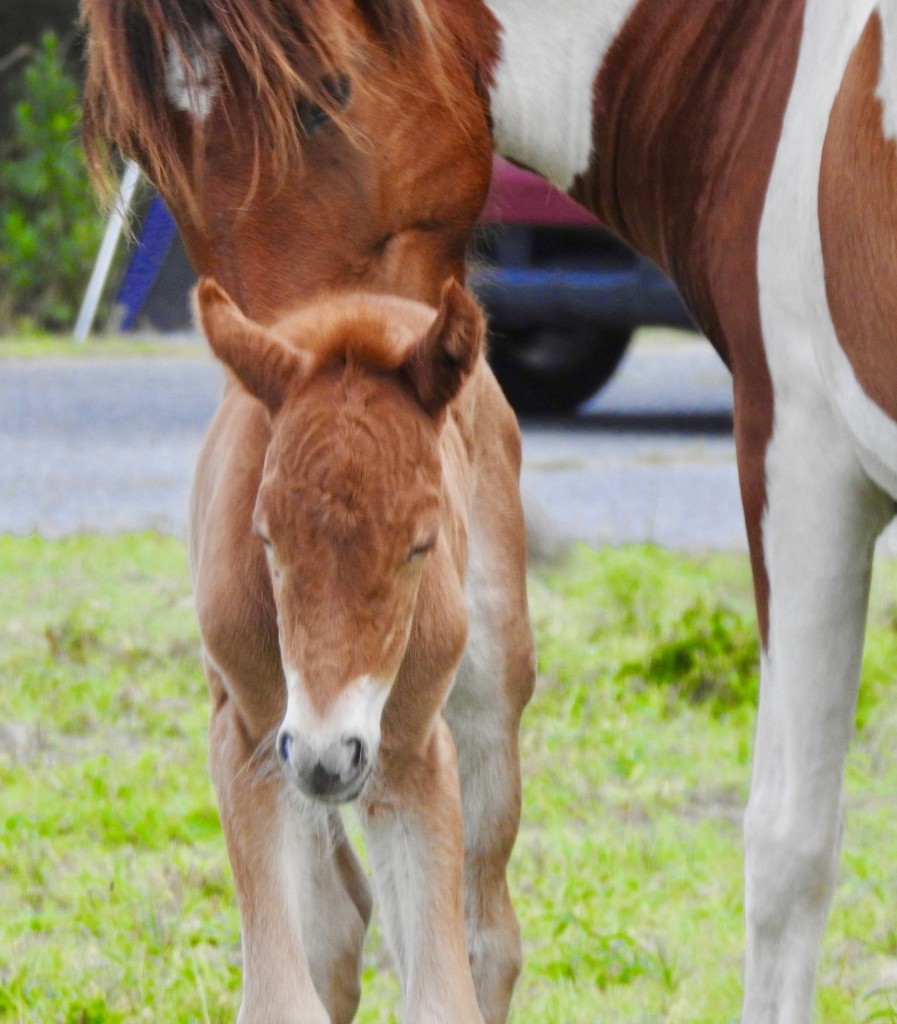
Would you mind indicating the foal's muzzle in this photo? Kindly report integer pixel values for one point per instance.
(335, 773)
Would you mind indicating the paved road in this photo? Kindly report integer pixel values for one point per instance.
(101, 444)
(109, 445)
(651, 459)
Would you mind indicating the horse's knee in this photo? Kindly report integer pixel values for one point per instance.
(334, 939)
(335, 964)
(496, 960)
(344, 996)
(790, 868)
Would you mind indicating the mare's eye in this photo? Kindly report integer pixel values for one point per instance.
(313, 117)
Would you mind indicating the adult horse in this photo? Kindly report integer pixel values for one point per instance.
(747, 146)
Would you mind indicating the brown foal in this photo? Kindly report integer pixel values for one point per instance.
(358, 552)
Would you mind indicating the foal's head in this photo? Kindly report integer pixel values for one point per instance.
(350, 505)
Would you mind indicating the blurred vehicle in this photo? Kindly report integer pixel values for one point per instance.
(563, 295)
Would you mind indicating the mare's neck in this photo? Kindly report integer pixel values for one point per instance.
(543, 96)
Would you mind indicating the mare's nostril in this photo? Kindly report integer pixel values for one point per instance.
(284, 746)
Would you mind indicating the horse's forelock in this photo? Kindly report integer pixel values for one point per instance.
(373, 332)
(280, 50)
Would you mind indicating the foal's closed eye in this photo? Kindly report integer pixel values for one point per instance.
(269, 552)
(422, 547)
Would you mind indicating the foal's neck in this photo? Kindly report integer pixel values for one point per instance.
(543, 94)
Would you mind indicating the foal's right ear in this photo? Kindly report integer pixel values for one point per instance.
(264, 364)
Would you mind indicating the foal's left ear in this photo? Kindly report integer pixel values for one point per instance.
(445, 358)
(263, 362)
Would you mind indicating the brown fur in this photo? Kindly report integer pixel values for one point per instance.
(858, 222)
(687, 119)
(354, 432)
(387, 202)
(693, 179)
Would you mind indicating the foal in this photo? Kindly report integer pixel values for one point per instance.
(358, 552)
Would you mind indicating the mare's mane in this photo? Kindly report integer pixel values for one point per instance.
(265, 55)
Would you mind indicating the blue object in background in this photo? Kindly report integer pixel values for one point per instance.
(153, 245)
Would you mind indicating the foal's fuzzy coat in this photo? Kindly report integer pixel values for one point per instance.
(358, 551)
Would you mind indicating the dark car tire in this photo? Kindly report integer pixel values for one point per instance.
(545, 371)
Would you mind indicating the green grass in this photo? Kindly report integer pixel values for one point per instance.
(59, 346)
(116, 896)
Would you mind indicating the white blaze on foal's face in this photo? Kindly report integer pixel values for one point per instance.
(344, 740)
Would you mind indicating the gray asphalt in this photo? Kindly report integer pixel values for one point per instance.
(651, 459)
(103, 445)
(109, 444)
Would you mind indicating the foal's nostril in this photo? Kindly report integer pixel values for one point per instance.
(284, 746)
(356, 753)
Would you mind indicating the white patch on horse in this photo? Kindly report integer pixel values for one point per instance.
(829, 443)
(482, 727)
(400, 889)
(543, 95)
(887, 83)
(408, 860)
(193, 89)
(802, 345)
(477, 716)
(356, 711)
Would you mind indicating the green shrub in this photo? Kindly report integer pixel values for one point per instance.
(49, 222)
(710, 656)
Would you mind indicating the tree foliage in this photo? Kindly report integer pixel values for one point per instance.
(49, 222)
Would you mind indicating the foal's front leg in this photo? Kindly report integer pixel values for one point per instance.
(494, 682)
(413, 826)
(304, 904)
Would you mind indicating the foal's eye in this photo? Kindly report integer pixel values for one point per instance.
(421, 548)
(266, 544)
(269, 556)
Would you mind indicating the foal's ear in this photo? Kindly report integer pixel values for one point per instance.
(445, 358)
(263, 363)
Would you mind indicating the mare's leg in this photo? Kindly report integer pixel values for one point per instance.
(413, 826)
(817, 541)
(304, 903)
(495, 680)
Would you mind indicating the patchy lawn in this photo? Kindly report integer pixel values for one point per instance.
(116, 893)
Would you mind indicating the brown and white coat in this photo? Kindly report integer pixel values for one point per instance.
(748, 146)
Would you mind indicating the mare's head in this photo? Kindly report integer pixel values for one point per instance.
(304, 146)
(350, 509)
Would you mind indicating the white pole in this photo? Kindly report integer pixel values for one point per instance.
(103, 262)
